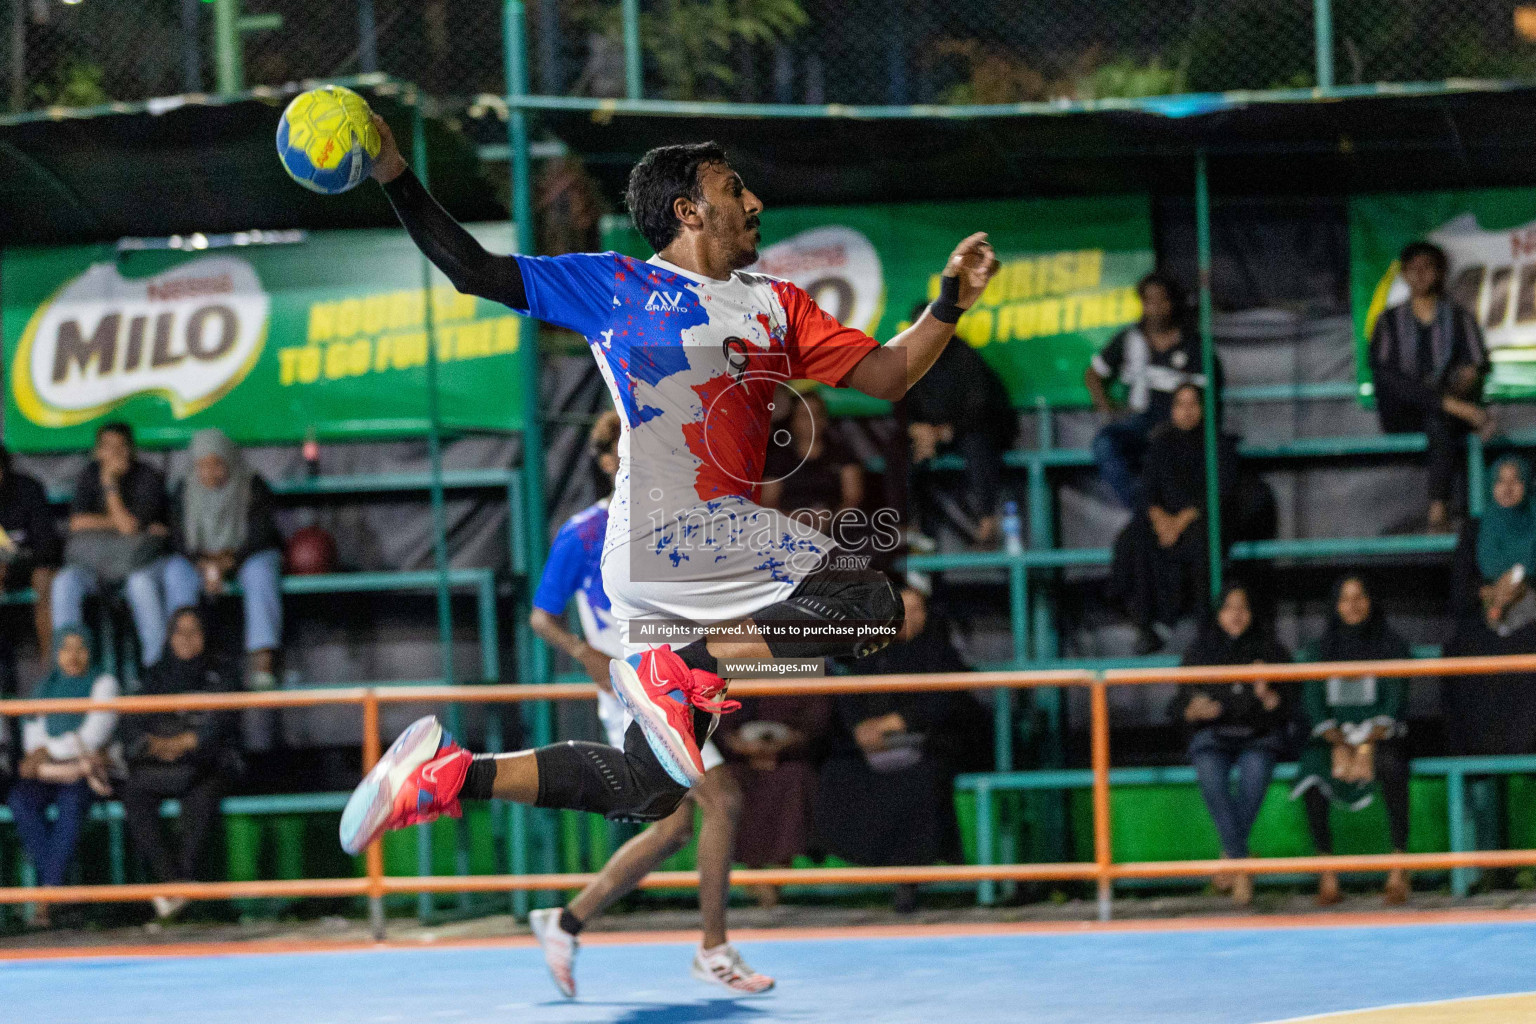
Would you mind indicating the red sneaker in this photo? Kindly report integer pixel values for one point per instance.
(661, 692)
(417, 779)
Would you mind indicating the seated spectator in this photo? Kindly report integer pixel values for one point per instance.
(886, 792)
(1152, 359)
(1162, 558)
(62, 761)
(1498, 549)
(773, 745)
(178, 754)
(30, 548)
(1428, 362)
(119, 525)
(813, 476)
(1234, 724)
(1357, 726)
(225, 529)
(961, 405)
(1495, 713)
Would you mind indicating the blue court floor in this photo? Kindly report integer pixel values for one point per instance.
(1228, 976)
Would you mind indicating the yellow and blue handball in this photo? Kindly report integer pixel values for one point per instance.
(327, 140)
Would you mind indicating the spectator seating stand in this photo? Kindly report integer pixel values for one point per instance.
(511, 829)
(1457, 772)
(1035, 643)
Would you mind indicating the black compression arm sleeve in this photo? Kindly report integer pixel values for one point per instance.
(453, 250)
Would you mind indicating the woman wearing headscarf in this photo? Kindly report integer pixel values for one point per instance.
(62, 763)
(225, 529)
(1357, 726)
(1498, 549)
(1241, 725)
(1495, 610)
(181, 754)
(1162, 558)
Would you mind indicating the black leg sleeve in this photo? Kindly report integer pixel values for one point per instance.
(628, 784)
(839, 612)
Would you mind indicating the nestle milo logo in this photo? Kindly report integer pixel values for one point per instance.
(189, 335)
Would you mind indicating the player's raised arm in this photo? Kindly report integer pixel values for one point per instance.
(453, 250)
(889, 371)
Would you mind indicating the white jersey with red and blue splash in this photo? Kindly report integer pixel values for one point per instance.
(693, 365)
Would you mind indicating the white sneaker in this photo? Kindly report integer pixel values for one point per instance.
(724, 966)
(559, 948)
(167, 907)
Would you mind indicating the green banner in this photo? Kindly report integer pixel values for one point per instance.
(269, 342)
(1489, 236)
(1066, 286)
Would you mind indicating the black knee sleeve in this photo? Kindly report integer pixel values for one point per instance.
(864, 601)
(625, 785)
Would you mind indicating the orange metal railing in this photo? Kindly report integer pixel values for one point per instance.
(1102, 869)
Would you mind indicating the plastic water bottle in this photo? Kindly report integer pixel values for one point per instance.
(1013, 529)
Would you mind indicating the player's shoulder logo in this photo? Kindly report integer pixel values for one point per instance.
(664, 302)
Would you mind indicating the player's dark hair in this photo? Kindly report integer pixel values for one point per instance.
(659, 179)
(1435, 254)
(117, 427)
(1170, 287)
(603, 439)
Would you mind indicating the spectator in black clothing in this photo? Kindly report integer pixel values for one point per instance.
(185, 755)
(1494, 714)
(224, 527)
(812, 475)
(1242, 725)
(1152, 359)
(1161, 561)
(1498, 549)
(886, 793)
(1428, 363)
(30, 547)
(961, 405)
(119, 526)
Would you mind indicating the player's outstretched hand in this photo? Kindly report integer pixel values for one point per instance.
(389, 164)
(974, 262)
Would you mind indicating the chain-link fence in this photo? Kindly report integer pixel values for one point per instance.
(789, 51)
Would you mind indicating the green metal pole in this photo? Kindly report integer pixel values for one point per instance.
(1208, 364)
(634, 71)
(228, 59)
(528, 345)
(1322, 31)
(540, 714)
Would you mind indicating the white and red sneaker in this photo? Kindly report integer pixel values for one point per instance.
(417, 779)
(559, 948)
(724, 966)
(660, 691)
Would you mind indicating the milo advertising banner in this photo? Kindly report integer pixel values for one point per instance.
(269, 342)
(1067, 283)
(1489, 237)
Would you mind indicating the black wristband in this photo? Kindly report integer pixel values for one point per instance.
(943, 309)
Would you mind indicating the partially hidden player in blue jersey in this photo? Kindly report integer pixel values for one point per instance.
(693, 347)
(573, 572)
